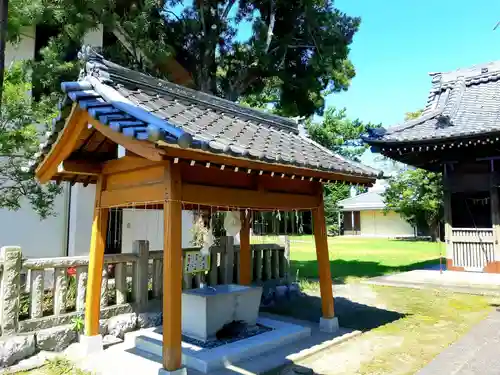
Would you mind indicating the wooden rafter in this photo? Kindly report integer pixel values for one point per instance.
(64, 146)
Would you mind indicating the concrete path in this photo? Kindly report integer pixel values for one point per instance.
(126, 359)
(475, 353)
(460, 282)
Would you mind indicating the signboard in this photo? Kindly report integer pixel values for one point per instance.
(195, 262)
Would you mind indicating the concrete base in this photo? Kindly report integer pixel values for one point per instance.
(329, 325)
(209, 360)
(181, 371)
(206, 310)
(90, 345)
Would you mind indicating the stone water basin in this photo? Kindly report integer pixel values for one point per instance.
(206, 310)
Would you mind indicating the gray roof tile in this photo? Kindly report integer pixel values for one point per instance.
(462, 103)
(176, 114)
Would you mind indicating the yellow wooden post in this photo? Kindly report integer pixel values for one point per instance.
(325, 278)
(96, 263)
(245, 251)
(172, 269)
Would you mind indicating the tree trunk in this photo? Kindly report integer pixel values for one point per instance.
(434, 231)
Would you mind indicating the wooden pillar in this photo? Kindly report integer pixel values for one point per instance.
(447, 224)
(495, 218)
(448, 231)
(96, 263)
(325, 278)
(172, 269)
(245, 251)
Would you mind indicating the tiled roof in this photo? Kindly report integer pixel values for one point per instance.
(371, 200)
(155, 110)
(462, 103)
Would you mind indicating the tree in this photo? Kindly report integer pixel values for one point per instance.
(20, 125)
(417, 195)
(339, 133)
(297, 51)
(343, 136)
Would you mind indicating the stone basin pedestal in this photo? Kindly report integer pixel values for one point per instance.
(206, 310)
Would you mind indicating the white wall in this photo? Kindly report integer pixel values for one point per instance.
(80, 219)
(37, 238)
(148, 225)
(376, 223)
(24, 50)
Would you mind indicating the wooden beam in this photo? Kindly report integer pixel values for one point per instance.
(127, 164)
(226, 197)
(136, 177)
(204, 156)
(133, 195)
(172, 269)
(64, 146)
(325, 277)
(83, 167)
(145, 149)
(96, 263)
(245, 252)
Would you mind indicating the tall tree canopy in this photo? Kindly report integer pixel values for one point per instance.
(20, 124)
(339, 133)
(343, 136)
(296, 51)
(418, 196)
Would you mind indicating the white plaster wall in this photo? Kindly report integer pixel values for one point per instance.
(37, 238)
(24, 50)
(80, 219)
(148, 225)
(376, 223)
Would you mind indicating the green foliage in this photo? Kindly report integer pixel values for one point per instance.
(343, 136)
(339, 133)
(21, 125)
(417, 195)
(297, 51)
(296, 54)
(78, 323)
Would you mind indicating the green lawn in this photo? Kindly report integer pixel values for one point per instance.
(413, 327)
(363, 257)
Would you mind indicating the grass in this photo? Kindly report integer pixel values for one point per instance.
(363, 257)
(412, 328)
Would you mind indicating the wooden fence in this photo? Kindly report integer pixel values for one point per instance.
(472, 248)
(132, 283)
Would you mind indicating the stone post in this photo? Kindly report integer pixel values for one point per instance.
(141, 275)
(81, 280)
(11, 285)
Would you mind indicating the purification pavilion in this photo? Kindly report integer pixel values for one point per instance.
(458, 134)
(183, 148)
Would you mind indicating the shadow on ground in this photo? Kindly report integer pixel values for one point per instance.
(341, 269)
(350, 314)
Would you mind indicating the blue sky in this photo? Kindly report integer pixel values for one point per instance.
(400, 42)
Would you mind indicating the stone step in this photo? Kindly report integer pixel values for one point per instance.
(209, 360)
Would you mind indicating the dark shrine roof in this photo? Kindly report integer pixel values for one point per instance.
(150, 109)
(464, 103)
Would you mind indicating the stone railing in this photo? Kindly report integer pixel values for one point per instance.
(47, 292)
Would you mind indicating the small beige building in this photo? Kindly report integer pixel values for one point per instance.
(364, 215)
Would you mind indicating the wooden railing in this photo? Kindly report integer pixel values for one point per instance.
(472, 248)
(45, 292)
